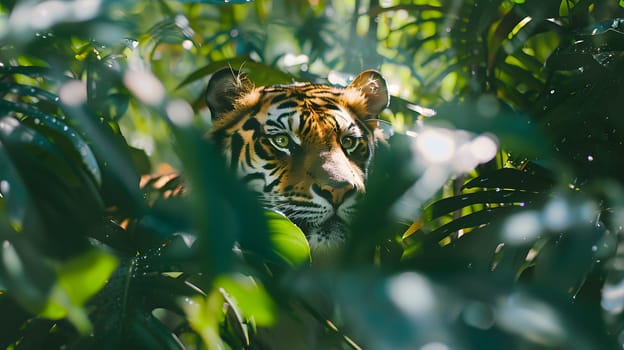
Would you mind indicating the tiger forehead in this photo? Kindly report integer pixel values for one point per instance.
(294, 106)
(306, 94)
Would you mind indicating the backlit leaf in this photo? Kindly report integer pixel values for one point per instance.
(78, 279)
(288, 241)
(249, 296)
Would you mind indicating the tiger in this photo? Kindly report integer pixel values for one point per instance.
(305, 149)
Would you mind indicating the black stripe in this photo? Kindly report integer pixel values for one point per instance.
(252, 124)
(275, 123)
(285, 115)
(260, 151)
(236, 144)
(269, 166)
(330, 105)
(287, 104)
(304, 123)
(269, 187)
(275, 170)
(253, 176)
(280, 98)
(308, 204)
(248, 155)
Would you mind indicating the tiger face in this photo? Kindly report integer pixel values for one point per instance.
(304, 149)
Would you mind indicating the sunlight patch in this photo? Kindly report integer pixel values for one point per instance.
(439, 154)
(436, 145)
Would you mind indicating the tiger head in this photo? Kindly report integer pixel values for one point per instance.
(304, 148)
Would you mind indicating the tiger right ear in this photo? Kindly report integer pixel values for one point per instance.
(224, 88)
(371, 84)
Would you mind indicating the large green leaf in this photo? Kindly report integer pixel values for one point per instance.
(287, 240)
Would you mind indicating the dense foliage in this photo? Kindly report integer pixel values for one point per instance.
(493, 218)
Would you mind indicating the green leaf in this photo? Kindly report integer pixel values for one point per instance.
(43, 120)
(78, 279)
(210, 206)
(509, 178)
(601, 42)
(289, 242)
(160, 291)
(14, 199)
(447, 205)
(23, 274)
(26, 90)
(481, 217)
(203, 315)
(151, 333)
(565, 260)
(31, 71)
(249, 295)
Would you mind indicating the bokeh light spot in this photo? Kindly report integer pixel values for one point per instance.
(73, 93)
(412, 294)
(522, 228)
(180, 113)
(556, 215)
(145, 86)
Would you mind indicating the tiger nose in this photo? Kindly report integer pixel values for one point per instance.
(335, 192)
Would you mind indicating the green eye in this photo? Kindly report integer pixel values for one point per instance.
(349, 143)
(280, 140)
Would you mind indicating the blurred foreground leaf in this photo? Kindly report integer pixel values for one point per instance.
(78, 279)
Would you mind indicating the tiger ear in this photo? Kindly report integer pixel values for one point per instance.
(224, 88)
(375, 90)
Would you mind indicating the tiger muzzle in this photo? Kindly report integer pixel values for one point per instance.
(335, 192)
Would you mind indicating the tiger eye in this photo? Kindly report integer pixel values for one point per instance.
(349, 143)
(281, 140)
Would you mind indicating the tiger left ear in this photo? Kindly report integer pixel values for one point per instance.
(224, 88)
(375, 90)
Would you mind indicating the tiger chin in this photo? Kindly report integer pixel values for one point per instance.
(305, 149)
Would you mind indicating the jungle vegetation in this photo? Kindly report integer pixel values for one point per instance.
(492, 219)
